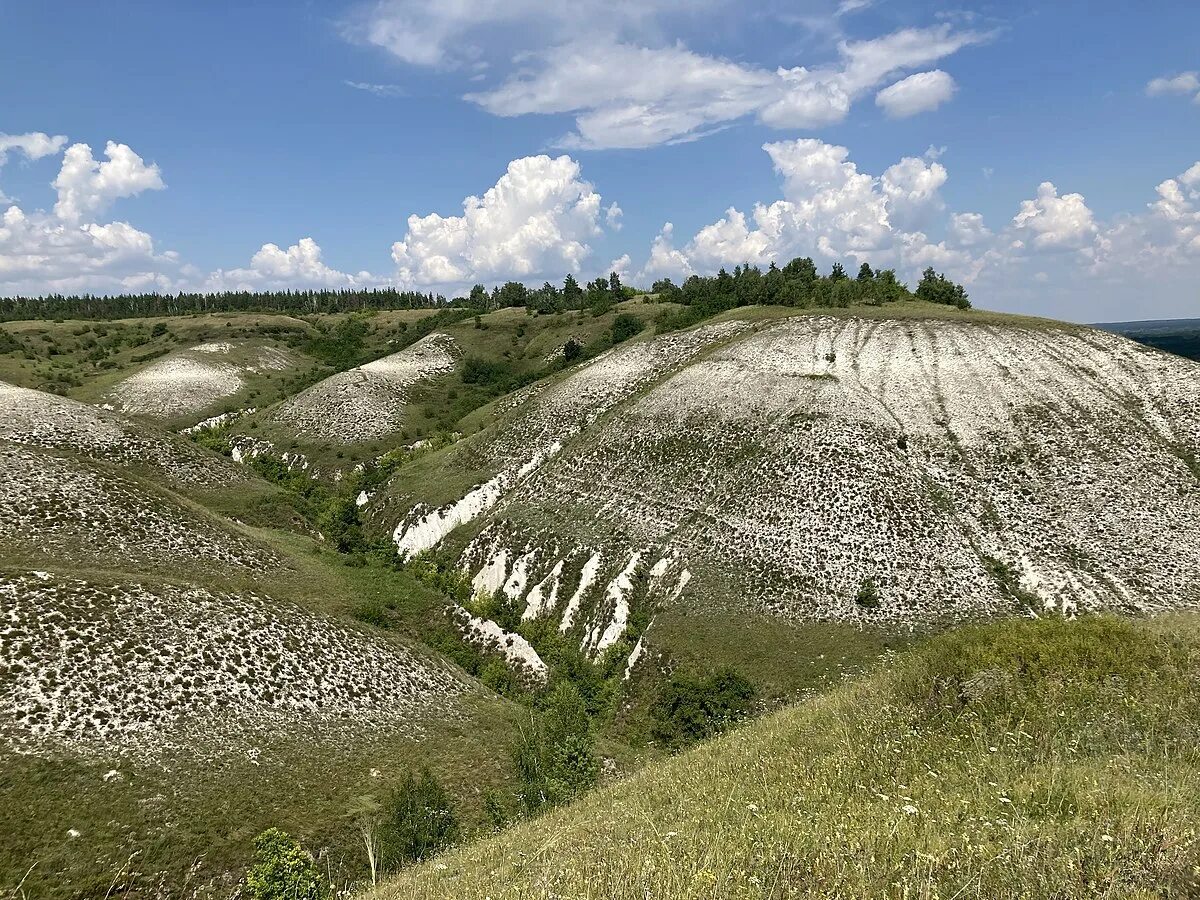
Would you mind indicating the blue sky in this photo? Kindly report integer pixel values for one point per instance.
(915, 134)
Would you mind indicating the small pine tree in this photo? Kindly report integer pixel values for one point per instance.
(572, 293)
(868, 594)
(614, 285)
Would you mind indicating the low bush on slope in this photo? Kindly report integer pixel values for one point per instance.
(1018, 759)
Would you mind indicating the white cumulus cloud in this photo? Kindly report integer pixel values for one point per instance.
(34, 145)
(665, 261)
(1055, 222)
(88, 187)
(536, 220)
(300, 266)
(40, 253)
(830, 210)
(66, 251)
(1183, 83)
(918, 93)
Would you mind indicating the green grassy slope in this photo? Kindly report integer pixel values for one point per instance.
(85, 360)
(1018, 759)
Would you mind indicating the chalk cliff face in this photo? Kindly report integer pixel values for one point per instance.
(830, 467)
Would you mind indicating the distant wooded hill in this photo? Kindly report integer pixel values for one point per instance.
(1181, 336)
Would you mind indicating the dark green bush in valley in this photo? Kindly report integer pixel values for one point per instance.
(690, 708)
(624, 327)
(8, 343)
(555, 757)
(418, 821)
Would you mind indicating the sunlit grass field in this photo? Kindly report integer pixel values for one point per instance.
(1017, 759)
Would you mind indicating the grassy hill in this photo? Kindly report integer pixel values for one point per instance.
(177, 370)
(429, 539)
(365, 412)
(901, 467)
(1018, 759)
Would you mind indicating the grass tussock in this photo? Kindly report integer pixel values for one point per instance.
(1018, 759)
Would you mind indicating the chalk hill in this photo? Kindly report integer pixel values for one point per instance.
(181, 664)
(367, 402)
(189, 383)
(911, 469)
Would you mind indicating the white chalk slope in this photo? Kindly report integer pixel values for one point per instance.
(37, 419)
(190, 382)
(134, 622)
(367, 402)
(102, 667)
(962, 468)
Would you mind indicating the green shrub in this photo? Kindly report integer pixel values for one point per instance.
(555, 757)
(499, 677)
(418, 821)
(372, 612)
(868, 594)
(283, 870)
(689, 709)
(624, 327)
(487, 372)
(572, 350)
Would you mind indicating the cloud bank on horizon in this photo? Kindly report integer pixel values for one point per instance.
(635, 86)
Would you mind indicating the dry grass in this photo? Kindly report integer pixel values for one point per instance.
(1022, 759)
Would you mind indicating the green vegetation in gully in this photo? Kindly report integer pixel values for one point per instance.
(586, 711)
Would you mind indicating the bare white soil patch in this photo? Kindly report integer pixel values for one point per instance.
(367, 402)
(491, 637)
(188, 382)
(38, 419)
(137, 669)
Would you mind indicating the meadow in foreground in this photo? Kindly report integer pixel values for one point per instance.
(1018, 759)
